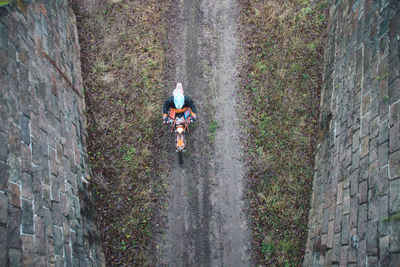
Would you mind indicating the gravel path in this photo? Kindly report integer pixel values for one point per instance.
(206, 224)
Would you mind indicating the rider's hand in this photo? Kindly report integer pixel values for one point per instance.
(165, 118)
(193, 116)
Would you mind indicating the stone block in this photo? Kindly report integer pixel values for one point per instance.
(40, 261)
(27, 251)
(50, 257)
(372, 238)
(394, 258)
(394, 116)
(353, 183)
(14, 257)
(14, 193)
(343, 255)
(4, 111)
(329, 238)
(394, 165)
(384, 256)
(362, 252)
(14, 173)
(394, 93)
(3, 246)
(14, 143)
(55, 192)
(352, 258)
(46, 196)
(372, 261)
(394, 196)
(394, 137)
(346, 201)
(339, 196)
(3, 208)
(26, 158)
(68, 255)
(374, 128)
(328, 258)
(353, 212)
(66, 230)
(373, 150)
(27, 217)
(53, 162)
(365, 121)
(338, 218)
(383, 135)
(4, 176)
(43, 143)
(336, 248)
(383, 155)
(58, 241)
(27, 185)
(364, 146)
(59, 261)
(383, 182)
(3, 146)
(64, 204)
(362, 192)
(3, 58)
(355, 159)
(362, 220)
(45, 172)
(345, 230)
(25, 134)
(13, 228)
(40, 236)
(373, 205)
(36, 156)
(373, 172)
(56, 212)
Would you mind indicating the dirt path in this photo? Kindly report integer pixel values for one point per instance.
(206, 224)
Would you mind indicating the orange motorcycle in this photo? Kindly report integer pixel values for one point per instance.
(179, 126)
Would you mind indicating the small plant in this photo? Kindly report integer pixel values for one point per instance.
(394, 217)
(3, 3)
(213, 127)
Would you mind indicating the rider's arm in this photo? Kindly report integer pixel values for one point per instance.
(189, 102)
(167, 104)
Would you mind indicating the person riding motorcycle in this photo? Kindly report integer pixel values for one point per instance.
(177, 104)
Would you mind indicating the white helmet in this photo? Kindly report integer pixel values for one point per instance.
(179, 98)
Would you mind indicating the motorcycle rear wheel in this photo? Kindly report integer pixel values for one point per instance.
(180, 156)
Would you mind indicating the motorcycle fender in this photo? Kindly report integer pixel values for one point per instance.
(180, 141)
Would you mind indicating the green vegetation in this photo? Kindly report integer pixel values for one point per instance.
(122, 62)
(394, 217)
(282, 81)
(3, 3)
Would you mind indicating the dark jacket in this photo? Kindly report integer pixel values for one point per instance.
(169, 103)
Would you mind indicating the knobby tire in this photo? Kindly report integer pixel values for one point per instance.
(180, 156)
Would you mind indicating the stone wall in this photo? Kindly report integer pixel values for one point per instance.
(354, 218)
(47, 216)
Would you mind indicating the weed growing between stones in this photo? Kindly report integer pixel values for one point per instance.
(281, 84)
(122, 54)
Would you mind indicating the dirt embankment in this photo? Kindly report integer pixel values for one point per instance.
(281, 82)
(123, 45)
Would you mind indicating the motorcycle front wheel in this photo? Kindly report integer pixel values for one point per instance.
(180, 156)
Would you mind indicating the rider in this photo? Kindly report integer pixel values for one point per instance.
(178, 103)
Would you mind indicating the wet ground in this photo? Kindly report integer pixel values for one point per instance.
(206, 222)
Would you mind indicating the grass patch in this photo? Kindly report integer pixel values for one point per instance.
(282, 81)
(123, 47)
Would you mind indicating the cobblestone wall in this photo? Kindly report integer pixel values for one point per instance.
(354, 218)
(47, 216)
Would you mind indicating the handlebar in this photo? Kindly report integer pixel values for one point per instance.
(172, 121)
